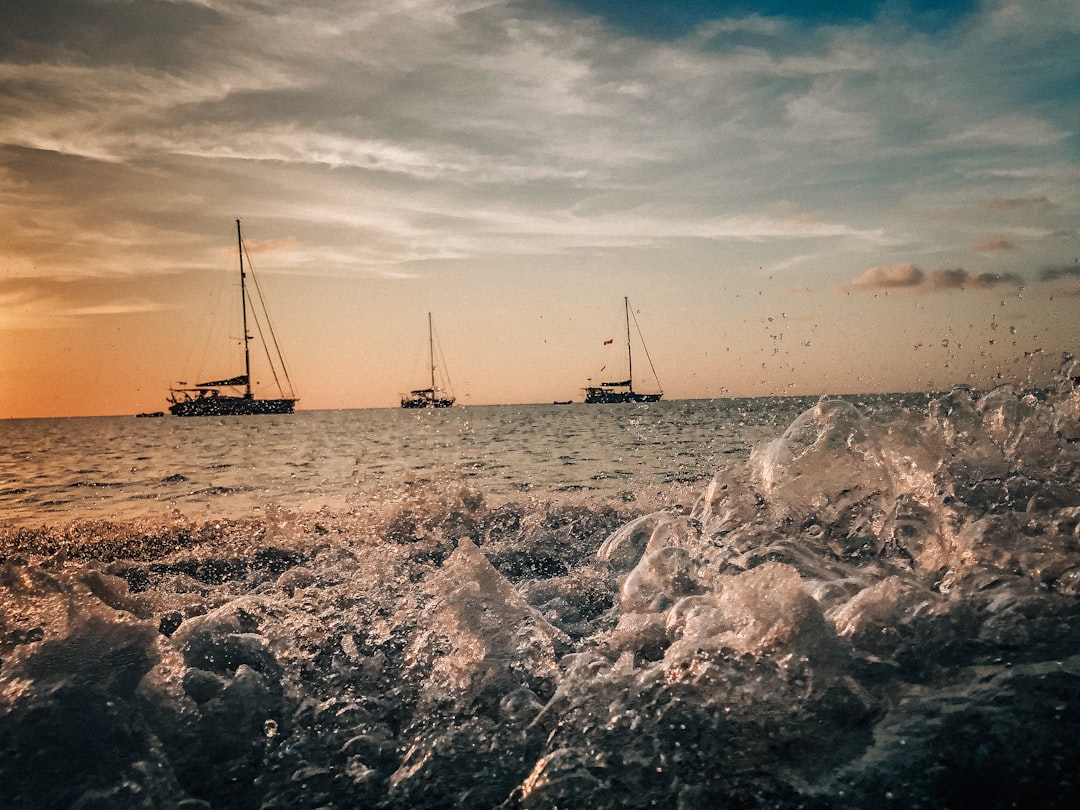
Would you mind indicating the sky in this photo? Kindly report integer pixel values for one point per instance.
(796, 197)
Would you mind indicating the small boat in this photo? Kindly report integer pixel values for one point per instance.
(149, 415)
(233, 396)
(608, 393)
(432, 396)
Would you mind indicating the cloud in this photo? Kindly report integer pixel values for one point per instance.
(127, 307)
(285, 244)
(959, 279)
(1060, 271)
(1008, 130)
(993, 244)
(1033, 205)
(50, 304)
(911, 277)
(135, 33)
(892, 276)
(466, 129)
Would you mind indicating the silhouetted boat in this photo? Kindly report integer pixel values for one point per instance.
(623, 391)
(433, 396)
(233, 396)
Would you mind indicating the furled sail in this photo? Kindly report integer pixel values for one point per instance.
(240, 380)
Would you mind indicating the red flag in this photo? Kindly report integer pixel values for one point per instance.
(609, 342)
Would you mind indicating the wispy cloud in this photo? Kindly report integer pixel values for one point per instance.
(480, 104)
(50, 304)
(1026, 205)
(1008, 130)
(112, 308)
(284, 245)
(993, 244)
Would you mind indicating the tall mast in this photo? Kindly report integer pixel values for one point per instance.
(431, 351)
(243, 309)
(629, 355)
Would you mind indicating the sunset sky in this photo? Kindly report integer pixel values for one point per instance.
(798, 197)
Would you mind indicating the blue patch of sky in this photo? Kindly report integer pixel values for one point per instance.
(671, 19)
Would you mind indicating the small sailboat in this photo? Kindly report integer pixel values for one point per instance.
(233, 396)
(623, 391)
(433, 396)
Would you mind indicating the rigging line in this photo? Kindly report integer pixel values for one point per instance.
(262, 337)
(442, 367)
(646, 348)
(266, 348)
(212, 325)
(258, 323)
(270, 328)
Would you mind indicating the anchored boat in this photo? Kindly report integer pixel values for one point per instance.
(233, 396)
(432, 396)
(607, 393)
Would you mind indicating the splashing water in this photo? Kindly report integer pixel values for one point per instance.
(874, 609)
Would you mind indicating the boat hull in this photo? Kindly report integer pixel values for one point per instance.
(426, 403)
(426, 398)
(231, 406)
(604, 396)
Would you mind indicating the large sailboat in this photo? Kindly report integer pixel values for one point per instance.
(432, 396)
(233, 396)
(607, 393)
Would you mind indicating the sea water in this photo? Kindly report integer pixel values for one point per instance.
(57, 470)
(757, 603)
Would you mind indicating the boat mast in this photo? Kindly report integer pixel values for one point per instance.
(629, 355)
(243, 309)
(431, 351)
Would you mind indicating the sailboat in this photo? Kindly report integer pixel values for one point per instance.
(233, 396)
(431, 397)
(623, 391)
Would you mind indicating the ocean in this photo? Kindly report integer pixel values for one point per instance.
(782, 603)
(57, 470)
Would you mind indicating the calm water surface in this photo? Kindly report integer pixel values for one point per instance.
(53, 470)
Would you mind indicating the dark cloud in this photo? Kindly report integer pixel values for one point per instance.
(957, 278)
(1054, 273)
(150, 32)
(947, 278)
(912, 277)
